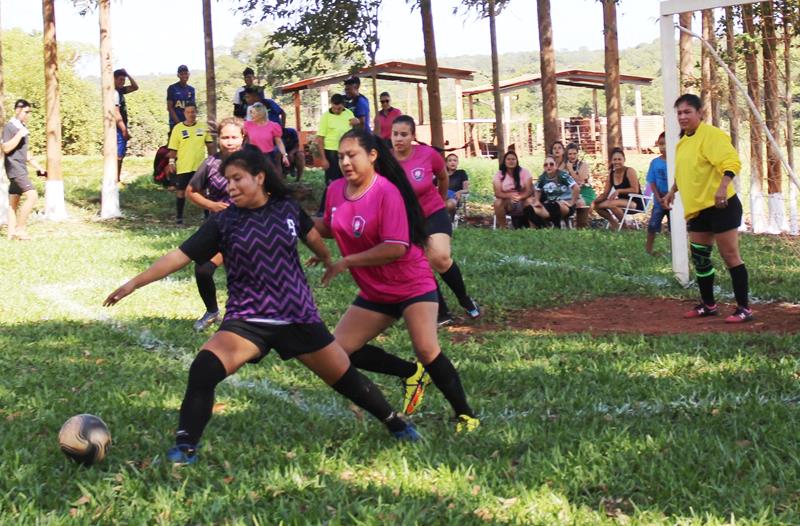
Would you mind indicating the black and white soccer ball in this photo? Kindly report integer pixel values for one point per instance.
(85, 439)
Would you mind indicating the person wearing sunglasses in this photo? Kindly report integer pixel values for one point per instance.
(555, 193)
(385, 117)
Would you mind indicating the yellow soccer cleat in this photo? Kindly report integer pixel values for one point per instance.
(414, 389)
(466, 424)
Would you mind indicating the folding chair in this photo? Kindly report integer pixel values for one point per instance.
(461, 210)
(631, 209)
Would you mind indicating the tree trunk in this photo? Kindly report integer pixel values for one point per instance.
(211, 77)
(787, 70)
(613, 98)
(712, 67)
(109, 203)
(772, 115)
(756, 140)
(432, 73)
(498, 103)
(547, 67)
(3, 179)
(55, 209)
(685, 50)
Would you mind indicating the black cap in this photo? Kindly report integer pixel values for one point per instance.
(182, 68)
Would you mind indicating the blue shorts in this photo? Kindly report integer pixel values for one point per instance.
(122, 145)
(656, 218)
(451, 195)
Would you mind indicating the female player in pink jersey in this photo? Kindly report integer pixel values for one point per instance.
(423, 167)
(378, 225)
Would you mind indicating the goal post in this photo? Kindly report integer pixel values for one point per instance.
(669, 75)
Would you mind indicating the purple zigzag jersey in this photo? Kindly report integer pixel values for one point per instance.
(265, 278)
(217, 185)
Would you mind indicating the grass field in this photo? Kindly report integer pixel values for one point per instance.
(620, 429)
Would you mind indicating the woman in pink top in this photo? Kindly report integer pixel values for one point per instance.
(424, 168)
(265, 134)
(513, 190)
(379, 228)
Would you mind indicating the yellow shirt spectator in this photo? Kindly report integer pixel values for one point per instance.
(333, 126)
(701, 159)
(190, 144)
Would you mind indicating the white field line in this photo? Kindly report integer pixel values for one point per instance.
(58, 296)
(655, 281)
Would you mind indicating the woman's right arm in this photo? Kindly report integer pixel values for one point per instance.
(498, 189)
(167, 264)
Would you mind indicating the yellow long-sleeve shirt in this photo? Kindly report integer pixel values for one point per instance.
(701, 159)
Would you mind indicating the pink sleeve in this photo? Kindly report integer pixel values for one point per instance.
(437, 163)
(393, 218)
(277, 131)
(497, 177)
(524, 176)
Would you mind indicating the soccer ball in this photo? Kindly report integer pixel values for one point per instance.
(85, 439)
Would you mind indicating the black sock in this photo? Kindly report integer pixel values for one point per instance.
(444, 310)
(455, 281)
(533, 219)
(204, 375)
(180, 202)
(361, 391)
(375, 359)
(204, 275)
(554, 209)
(740, 287)
(446, 378)
(706, 286)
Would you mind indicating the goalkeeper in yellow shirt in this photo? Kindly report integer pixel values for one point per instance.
(705, 164)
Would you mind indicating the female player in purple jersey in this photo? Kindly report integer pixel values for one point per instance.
(269, 305)
(378, 224)
(208, 189)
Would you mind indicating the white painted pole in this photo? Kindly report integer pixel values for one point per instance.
(460, 114)
(669, 73)
(324, 100)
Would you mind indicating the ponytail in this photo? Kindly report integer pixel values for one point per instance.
(388, 167)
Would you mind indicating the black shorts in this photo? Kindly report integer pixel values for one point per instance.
(718, 220)
(19, 185)
(439, 223)
(395, 310)
(181, 181)
(289, 340)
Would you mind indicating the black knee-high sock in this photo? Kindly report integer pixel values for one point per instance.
(204, 275)
(446, 378)
(444, 310)
(532, 218)
(706, 286)
(361, 391)
(375, 359)
(455, 281)
(554, 209)
(204, 375)
(740, 286)
(180, 202)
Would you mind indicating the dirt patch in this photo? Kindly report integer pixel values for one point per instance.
(653, 316)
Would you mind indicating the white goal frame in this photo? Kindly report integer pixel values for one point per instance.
(669, 75)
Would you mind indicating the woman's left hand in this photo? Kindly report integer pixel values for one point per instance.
(721, 197)
(333, 270)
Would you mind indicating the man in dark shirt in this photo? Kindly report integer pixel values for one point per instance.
(356, 102)
(121, 114)
(15, 148)
(178, 95)
(239, 104)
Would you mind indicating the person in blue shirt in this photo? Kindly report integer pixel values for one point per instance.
(356, 103)
(178, 95)
(239, 104)
(659, 185)
(275, 113)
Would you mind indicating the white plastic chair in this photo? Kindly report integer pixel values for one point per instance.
(631, 209)
(461, 210)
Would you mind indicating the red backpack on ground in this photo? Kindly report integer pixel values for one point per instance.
(160, 164)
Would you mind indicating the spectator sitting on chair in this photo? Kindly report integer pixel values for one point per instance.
(578, 169)
(297, 157)
(458, 183)
(659, 185)
(622, 180)
(255, 94)
(513, 189)
(266, 136)
(557, 151)
(555, 194)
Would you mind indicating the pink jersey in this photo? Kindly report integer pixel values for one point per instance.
(421, 167)
(263, 135)
(378, 216)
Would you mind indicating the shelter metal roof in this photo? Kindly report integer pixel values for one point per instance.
(394, 70)
(574, 77)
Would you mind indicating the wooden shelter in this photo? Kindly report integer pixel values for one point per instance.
(393, 71)
(594, 80)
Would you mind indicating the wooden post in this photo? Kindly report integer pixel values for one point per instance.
(638, 103)
(211, 78)
(460, 114)
(109, 205)
(506, 120)
(476, 147)
(420, 108)
(55, 208)
(297, 120)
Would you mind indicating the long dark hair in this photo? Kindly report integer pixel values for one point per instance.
(387, 166)
(517, 170)
(610, 155)
(251, 159)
